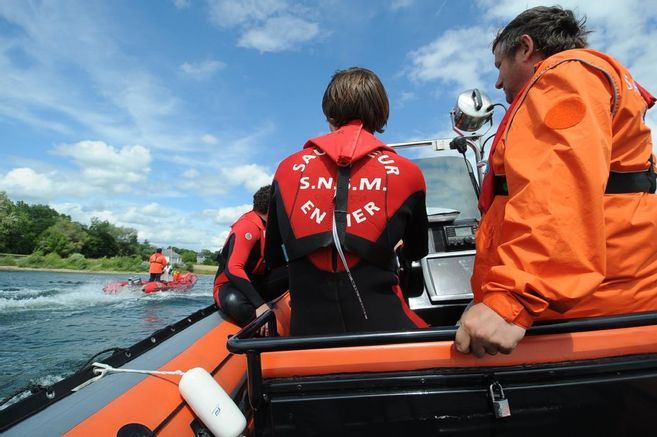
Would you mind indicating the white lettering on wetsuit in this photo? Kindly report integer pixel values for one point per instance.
(386, 160)
(315, 212)
(323, 183)
(359, 216)
(313, 182)
(306, 159)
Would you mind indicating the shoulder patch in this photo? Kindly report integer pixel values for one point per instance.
(566, 113)
(248, 236)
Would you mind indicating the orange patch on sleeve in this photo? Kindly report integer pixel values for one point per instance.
(565, 113)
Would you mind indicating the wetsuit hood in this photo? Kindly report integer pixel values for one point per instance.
(348, 144)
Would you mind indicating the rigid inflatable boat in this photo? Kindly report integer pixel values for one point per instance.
(593, 377)
(184, 282)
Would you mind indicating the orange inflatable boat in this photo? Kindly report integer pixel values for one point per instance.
(593, 377)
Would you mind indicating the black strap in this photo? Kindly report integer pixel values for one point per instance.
(618, 183)
(635, 182)
(500, 186)
(341, 194)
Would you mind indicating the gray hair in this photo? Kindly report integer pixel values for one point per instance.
(553, 30)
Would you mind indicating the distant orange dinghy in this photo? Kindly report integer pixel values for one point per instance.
(182, 282)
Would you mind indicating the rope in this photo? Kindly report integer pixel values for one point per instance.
(102, 369)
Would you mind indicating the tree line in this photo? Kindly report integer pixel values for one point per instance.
(26, 229)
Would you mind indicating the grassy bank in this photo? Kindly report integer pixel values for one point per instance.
(78, 263)
(203, 269)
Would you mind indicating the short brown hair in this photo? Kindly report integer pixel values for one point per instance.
(356, 94)
(553, 30)
(261, 199)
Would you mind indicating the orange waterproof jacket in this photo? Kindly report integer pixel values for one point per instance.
(158, 263)
(557, 246)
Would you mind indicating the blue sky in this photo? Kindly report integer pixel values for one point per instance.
(165, 116)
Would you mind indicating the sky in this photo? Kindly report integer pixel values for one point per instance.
(166, 116)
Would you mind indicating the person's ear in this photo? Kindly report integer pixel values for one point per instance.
(526, 48)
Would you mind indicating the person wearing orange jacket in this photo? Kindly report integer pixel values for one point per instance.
(569, 224)
(157, 264)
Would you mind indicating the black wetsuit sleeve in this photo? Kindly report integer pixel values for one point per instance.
(274, 256)
(416, 239)
(238, 254)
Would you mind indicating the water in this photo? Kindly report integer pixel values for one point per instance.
(52, 323)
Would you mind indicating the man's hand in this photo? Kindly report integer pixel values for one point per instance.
(483, 331)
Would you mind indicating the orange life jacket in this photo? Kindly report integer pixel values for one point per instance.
(557, 246)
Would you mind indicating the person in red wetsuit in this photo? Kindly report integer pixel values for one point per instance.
(339, 208)
(243, 284)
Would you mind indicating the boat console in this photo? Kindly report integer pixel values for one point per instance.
(438, 286)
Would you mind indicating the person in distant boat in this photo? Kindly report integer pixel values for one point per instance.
(157, 264)
(339, 208)
(570, 226)
(243, 283)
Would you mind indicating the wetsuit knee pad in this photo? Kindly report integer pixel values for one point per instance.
(236, 306)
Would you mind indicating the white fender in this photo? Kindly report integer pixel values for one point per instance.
(211, 403)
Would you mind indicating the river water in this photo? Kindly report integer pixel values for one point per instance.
(52, 323)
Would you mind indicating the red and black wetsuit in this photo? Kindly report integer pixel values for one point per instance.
(234, 290)
(379, 201)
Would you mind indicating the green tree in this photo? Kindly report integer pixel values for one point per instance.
(21, 224)
(101, 241)
(64, 238)
(210, 257)
(9, 229)
(33, 220)
(188, 256)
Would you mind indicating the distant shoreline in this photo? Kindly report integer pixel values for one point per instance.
(104, 272)
(33, 269)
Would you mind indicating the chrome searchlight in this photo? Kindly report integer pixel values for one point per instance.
(473, 109)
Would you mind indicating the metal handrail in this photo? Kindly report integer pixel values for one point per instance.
(242, 342)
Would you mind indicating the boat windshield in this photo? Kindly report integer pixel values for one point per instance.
(448, 186)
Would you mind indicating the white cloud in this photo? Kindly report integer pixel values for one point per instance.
(153, 209)
(265, 25)
(182, 4)
(25, 183)
(230, 13)
(279, 33)
(202, 70)
(210, 139)
(190, 174)
(396, 5)
(454, 57)
(227, 216)
(107, 168)
(251, 176)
